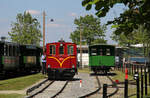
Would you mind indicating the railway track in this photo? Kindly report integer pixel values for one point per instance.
(60, 90)
(113, 85)
(46, 85)
(30, 90)
(53, 90)
(94, 92)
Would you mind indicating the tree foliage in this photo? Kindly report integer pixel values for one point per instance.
(137, 14)
(91, 30)
(26, 30)
(137, 36)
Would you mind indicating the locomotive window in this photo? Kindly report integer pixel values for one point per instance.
(70, 49)
(93, 51)
(52, 49)
(61, 49)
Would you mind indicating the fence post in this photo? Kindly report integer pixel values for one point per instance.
(138, 87)
(141, 85)
(126, 89)
(126, 84)
(138, 68)
(149, 72)
(132, 69)
(104, 90)
(135, 68)
(145, 80)
(141, 70)
(141, 82)
(129, 68)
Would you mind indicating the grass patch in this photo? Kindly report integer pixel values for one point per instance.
(20, 83)
(148, 96)
(121, 76)
(11, 96)
(84, 70)
(131, 90)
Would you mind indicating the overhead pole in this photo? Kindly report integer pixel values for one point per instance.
(44, 30)
(81, 47)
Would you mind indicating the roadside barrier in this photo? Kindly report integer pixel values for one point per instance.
(126, 84)
(80, 83)
(104, 90)
(142, 81)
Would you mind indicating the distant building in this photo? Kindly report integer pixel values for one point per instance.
(85, 55)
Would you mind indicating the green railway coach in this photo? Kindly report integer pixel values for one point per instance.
(101, 57)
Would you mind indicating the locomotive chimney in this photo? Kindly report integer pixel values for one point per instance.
(61, 40)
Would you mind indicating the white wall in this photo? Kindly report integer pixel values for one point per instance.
(85, 58)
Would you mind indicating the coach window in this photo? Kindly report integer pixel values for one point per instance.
(17, 51)
(101, 51)
(93, 51)
(61, 49)
(107, 51)
(14, 51)
(5, 50)
(1, 50)
(52, 49)
(11, 50)
(70, 49)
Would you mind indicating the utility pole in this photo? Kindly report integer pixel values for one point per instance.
(43, 31)
(80, 47)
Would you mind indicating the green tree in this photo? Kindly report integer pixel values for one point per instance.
(142, 36)
(26, 30)
(136, 14)
(137, 36)
(92, 31)
(123, 40)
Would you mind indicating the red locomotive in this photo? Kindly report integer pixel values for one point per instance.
(61, 59)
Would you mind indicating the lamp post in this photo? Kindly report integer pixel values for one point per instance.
(43, 31)
(44, 14)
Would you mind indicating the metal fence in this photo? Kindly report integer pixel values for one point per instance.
(139, 86)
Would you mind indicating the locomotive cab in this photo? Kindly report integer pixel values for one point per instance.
(61, 59)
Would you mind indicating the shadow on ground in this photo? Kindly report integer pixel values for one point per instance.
(103, 74)
(15, 75)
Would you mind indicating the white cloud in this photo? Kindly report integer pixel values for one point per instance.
(73, 14)
(33, 12)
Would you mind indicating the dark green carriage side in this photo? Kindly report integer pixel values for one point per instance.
(101, 57)
(9, 56)
(30, 57)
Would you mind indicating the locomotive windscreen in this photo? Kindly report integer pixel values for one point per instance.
(52, 49)
(61, 49)
(70, 49)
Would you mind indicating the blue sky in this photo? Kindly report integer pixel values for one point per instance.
(62, 11)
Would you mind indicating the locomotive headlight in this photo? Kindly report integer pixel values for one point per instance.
(61, 44)
(73, 66)
(49, 66)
